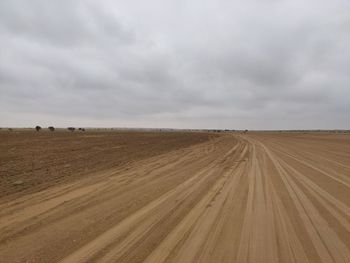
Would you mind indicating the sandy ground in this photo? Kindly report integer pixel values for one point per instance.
(32, 161)
(236, 198)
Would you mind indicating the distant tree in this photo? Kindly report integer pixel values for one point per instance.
(71, 129)
(38, 128)
(51, 128)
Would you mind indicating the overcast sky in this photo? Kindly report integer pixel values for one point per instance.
(255, 64)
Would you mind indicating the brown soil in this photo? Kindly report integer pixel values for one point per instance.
(257, 197)
(31, 161)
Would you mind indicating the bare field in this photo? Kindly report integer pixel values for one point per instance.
(259, 197)
(31, 161)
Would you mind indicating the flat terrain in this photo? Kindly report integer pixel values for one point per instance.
(31, 161)
(256, 197)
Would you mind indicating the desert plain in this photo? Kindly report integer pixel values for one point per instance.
(129, 196)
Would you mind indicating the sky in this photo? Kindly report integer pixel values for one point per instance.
(254, 64)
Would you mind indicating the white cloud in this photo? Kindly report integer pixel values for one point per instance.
(226, 64)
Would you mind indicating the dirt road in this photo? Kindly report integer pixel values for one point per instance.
(236, 198)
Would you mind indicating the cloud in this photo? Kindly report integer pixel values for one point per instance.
(226, 64)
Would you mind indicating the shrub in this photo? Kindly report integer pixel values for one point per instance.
(51, 128)
(38, 128)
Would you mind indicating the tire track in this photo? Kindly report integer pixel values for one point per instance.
(328, 245)
(237, 198)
